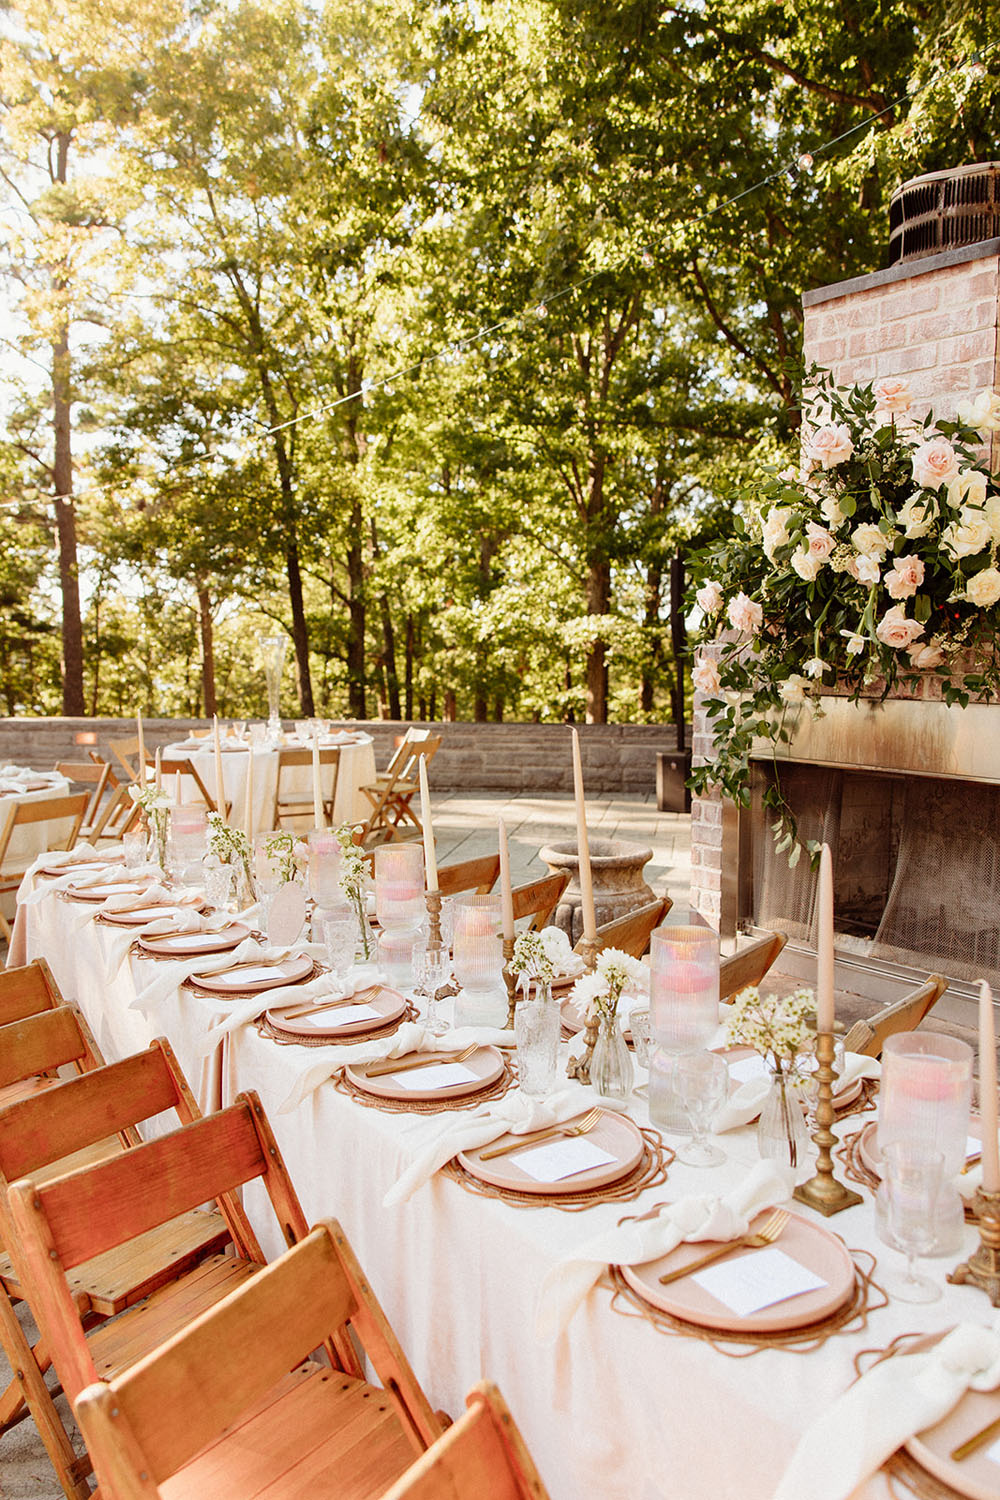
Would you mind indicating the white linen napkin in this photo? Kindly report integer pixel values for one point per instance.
(899, 1397)
(109, 876)
(412, 1036)
(515, 1112)
(323, 987)
(152, 895)
(699, 1216)
(174, 974)
(118, 941)
(747, 1102)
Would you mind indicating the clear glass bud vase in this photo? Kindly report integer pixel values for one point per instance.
(612, 1072)
(782, 1135)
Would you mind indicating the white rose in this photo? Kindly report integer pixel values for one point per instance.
(744, 614)
(709, 597)
(892, 394)
(895, 630)
(705, 676)
(925, 657)
(905, 577)
(934, 463)
(967, 536)
(870, 541)
(983, 413)
(829, 445)
(983, 589)
(775, 529)
(864, 569)
(832, 513)
(967, 488)
(806, 565)
(916, 516)
(793, 689)
(819, 542)
(992, 510)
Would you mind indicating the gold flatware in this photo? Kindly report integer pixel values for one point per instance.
(970, 1162)
(977, 1441)
(768, 1232)
(381, 1069)
(579, 1127)
(314, 1010)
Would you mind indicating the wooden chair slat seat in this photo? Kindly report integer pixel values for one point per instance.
(390, 795)
(869, 1036)
(749, 966)
(93, 773)
(632, 932)
(482, 1454)
(477, 875)
(538, 899)
(26, 989)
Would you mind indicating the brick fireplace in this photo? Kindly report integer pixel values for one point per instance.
(935, 322)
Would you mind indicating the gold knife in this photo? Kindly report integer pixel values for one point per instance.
(977, 1441)
(405, 1065)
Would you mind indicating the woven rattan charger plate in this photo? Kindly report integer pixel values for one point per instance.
(299, 1039)
(507, 1079)
(650, 1172)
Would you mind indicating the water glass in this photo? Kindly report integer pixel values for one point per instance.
(536, 1029)
(640, 1025)
(337, 930)
(701, 1081)
(435, 970)
(217, 879)
(135, 842)
(913, 1175)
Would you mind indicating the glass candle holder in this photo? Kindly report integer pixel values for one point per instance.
(684, 1005)
(399, 886)
(925, 1095)
(478, 951)
(188, 835)
(325, 858)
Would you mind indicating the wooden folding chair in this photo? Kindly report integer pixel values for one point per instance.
(870, 1036)
(39, 1034)
(483, 1454)
(477, 875)
(66, 811)
(538, 899)
(126, 752)
(749, 965)
(179, 764)
(232, 1405)
(75, 1123)
(632, 932)
(299, 805)
(120, 813)
(27, 989)
(390, 795)
(95, 774)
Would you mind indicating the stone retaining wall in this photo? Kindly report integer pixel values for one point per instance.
(618, 759)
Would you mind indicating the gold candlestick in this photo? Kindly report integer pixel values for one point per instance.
(579, 1067)
(510, 980)
(823, 1192)
(983, 1266)
(433, 900)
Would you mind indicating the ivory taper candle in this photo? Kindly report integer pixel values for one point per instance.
(248, 799)
(430, 853)
(142, 750)
(317, 785)
(177, 788)
(583, 848)
(824, 970)
(506, 894)
(159, 771)
(988, 1090)
(220, 786)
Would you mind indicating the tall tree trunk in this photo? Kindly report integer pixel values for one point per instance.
(408, 668)
(356, 685)
(598, 593)
(388, 641)
(62, 478)
(207, 650)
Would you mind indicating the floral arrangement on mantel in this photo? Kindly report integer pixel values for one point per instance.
(872, 565)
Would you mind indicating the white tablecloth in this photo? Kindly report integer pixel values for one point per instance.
(615, 1410)
(357, 766)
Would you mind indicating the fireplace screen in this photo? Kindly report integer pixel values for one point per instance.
(916, 859)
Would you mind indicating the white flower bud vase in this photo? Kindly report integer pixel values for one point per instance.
(612, 1072)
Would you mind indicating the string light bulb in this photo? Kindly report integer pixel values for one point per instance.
(977, 68)
(541, 311)
(647, 258)
(805, 162)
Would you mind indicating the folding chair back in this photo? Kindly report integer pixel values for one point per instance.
(477, 875)
(126, 752)
(539, 899)
(870, 1036)
(483, 1453)
(290, 804)
(391, 794)
(749, 965)
(90, 773)
(120, 813)
(222, 1389)
(64, 813)
(632, 932)
(180, 765)
(38, 1045)
(27, 989)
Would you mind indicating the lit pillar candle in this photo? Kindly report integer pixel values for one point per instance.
(317, 786)
(220, 786)
(142, 750)
(430, 853)
(159, 771)
(583, 848)
(988, 1090)
(506, 894)
(824, 974)
(248, 800)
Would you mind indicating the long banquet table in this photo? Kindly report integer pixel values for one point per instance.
(615, 1410)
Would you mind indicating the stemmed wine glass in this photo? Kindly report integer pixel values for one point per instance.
(338, 934)
(434, 975)
(701, 1081)
(913, 1175)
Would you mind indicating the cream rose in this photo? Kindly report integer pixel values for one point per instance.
(904, 577)
(775, 529)
(744, 614)
(983, 589)
(934, 464)
(709, 597)
(870, 541)
(967, 488)
(895, 630)
(970, 534)
(925, 657)
(793, 689)
(992, 512)
(705, 676)
(806, 565)
(983, 413)
(864, 569)
(829, 445)
(832, 513)
(819, 541)
(916, 516)
(892, 394)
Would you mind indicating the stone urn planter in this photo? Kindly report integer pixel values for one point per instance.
(619, 886)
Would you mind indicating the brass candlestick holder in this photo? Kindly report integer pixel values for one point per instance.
(433, 900)
(579, 1067)
(510, 980)
(983, 1266)
(823, 1192)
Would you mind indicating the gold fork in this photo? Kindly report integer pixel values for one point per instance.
(361, 997)
(768, 1232)
(404, 1065)
(979, 1440)
(580, 1127)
